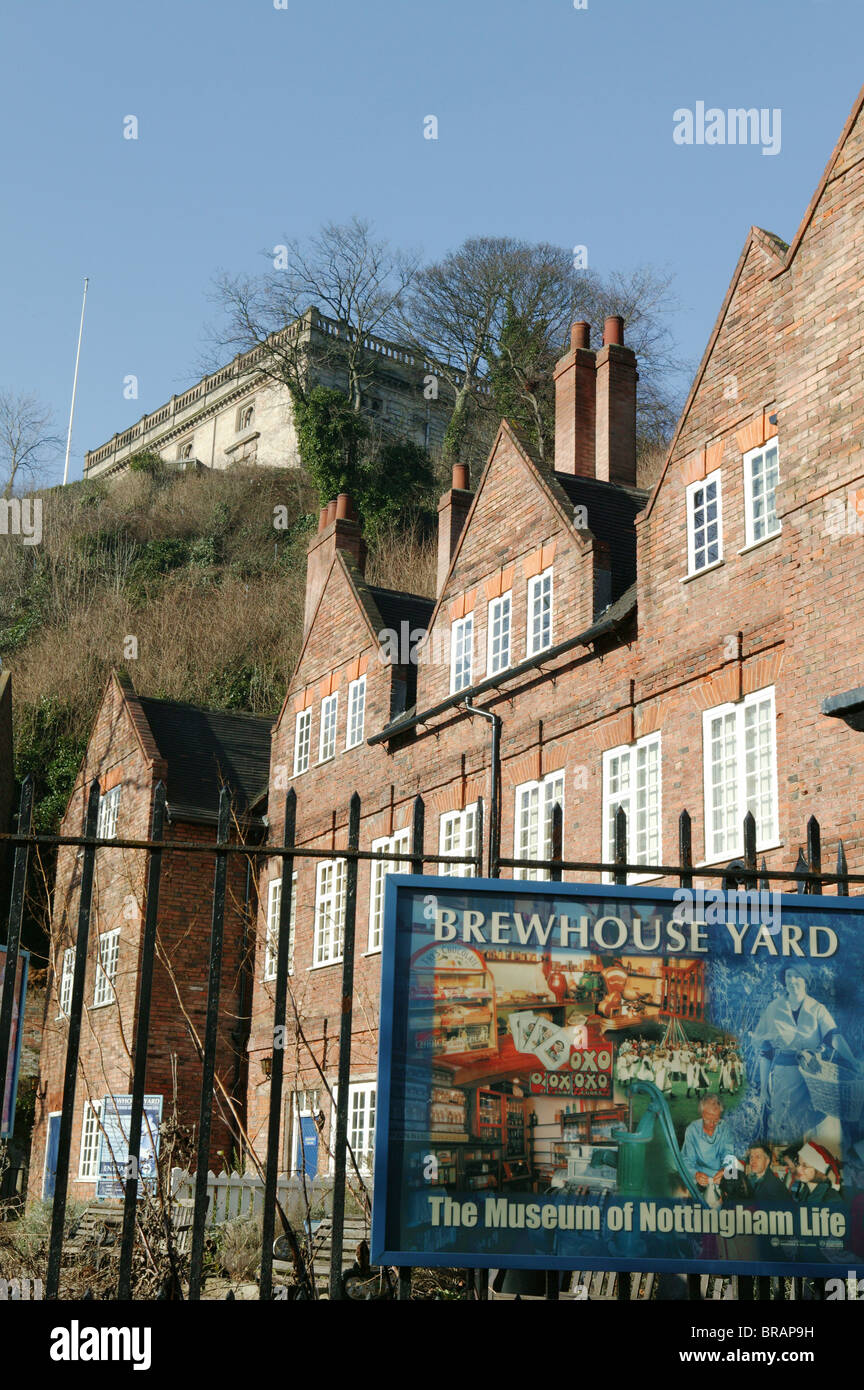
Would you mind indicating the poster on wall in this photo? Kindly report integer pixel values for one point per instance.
(10, 1095)
(114, 1145)
(578, 1076)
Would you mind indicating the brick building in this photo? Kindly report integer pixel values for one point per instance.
(697, 647)
(135, 744)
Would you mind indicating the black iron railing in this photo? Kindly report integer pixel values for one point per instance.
(807, 877)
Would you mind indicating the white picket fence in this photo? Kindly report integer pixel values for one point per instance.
(231, 1194)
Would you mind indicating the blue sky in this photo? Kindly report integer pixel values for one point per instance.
(257, 124)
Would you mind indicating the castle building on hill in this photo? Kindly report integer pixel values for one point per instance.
(240, 414)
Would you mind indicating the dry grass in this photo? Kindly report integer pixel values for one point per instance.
(194, 570)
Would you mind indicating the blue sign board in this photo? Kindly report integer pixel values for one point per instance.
(114, 1144)
(7, 1118)
(580, 1076)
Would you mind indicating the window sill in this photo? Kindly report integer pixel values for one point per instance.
(757, 545)
(105, 1004)
(738, 854)
(248, 437)
(325, 964)
(350, 746)
(376, 951)
(328, 759)
(271, 979)
(697, 574)
(91, 1180)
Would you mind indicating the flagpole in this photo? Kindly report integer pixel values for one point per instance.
(75, 384)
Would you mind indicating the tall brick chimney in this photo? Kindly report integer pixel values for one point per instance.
(615, 452)
(452, 511)
(575, 406)
(595, 407)
(338, 529)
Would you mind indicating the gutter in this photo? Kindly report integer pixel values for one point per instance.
(583, 639)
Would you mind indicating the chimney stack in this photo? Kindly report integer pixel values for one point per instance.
(595, 406)
(452, 511)
(615, 452)
(338, 529)
(575, 406)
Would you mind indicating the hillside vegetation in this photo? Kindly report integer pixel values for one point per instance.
(186, 569)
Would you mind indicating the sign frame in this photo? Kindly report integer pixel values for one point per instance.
(109, 1186)
(384, 1252)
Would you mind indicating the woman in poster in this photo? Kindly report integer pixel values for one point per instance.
(661, 1071)
(696, 1079)
(819, 1176)
(792, 1024)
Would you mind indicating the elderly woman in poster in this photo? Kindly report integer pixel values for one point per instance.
(794, 1024)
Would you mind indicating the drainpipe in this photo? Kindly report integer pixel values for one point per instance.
(495, 786)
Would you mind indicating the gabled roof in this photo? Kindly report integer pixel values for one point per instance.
(612, 510)
(382, 609)
(791, 251)
(773, 246)
(397, 607)
(203, 748)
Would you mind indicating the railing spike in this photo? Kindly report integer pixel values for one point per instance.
(801, 866)
(842, 870)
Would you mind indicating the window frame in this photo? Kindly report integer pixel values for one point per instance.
(64, 994)
(716, 475)
(364, 1158)
(329, 702)
(106, 819)
(457, 630)
(242, 412)
(535, 585)
(271, 931)
(103, 986)
(398, 847)
(540, 787)
(467, 821)
(92, 1135)
(302, 725)
(750, 539)
(354, 698)
(336, 929)
(493, 610)
(607, 839)
(765, 839)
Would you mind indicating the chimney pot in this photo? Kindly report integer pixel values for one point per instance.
(613, 330)
(580, 335)
(338, 529)
(460, 477)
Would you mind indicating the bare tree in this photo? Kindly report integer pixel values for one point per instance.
(459, 310)
(27, 441)
(343, 272)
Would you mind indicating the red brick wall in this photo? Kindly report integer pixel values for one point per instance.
(115, 753)
(788, 341)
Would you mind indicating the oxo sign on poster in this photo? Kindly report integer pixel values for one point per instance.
(583, 1076)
